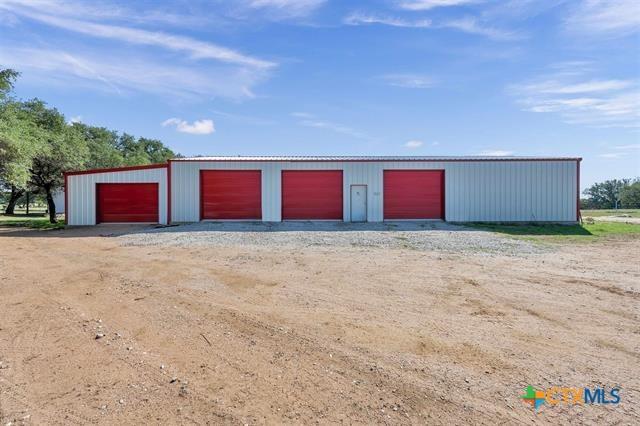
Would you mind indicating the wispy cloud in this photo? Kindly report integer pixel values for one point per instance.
(629, 147)
(622, 151)
(310, 120)
(495, 153)
(196, 49)
(409, 81)
(198, 127)
(468, 25)
(611, 155)
(103, 10)
(178, 65)
(114, 73)
(472, 25)
(580, 99)
(369, 19)
(285, 9)
(608, 17)
(413, 144)
(431, 4)
(75, 119)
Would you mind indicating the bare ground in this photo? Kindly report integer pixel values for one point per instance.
(254, 334)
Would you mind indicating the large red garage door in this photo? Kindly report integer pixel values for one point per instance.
(311, 194)
(126, 202)
(413, 194)
(231, 194)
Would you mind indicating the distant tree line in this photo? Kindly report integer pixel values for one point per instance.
(613, 194)
(37, 145)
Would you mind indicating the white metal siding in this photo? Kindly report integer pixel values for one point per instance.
(82, 192)
(474, 190)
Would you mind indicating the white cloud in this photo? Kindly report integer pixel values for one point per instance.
(474, 26)
(622, 151)
(468, 25)
(410, 81)
(609, 17)
(628, 147)
(103, 10)
(413, 144)
(75, 119)
(286, 8)
(198, 127)
(611, 155)
(580, 99)
(495, 153)
(111, 72)
(310, 120)
(195, 48)
(368, 19)
(431, 4)
(562, 88)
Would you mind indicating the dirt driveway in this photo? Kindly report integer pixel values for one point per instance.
(114, 325)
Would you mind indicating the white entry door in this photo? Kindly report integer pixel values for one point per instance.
(358, 203)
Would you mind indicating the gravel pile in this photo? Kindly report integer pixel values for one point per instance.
(396, 235)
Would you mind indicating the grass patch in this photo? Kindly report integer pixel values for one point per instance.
(562, 233)
(619, 212)
(34, 221)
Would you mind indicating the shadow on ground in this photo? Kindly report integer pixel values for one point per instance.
(115, 230)
(532, 229)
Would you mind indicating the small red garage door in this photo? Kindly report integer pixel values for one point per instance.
(126, 202)
(311, 194)
(413, 194)
(231, 194)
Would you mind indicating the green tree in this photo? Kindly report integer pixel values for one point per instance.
(606, 195)
(102, 144)
(155, 150)
(19, 141)
(37, 145)
(630, 196)
(7, 80)
(64, 149)
(132, 151)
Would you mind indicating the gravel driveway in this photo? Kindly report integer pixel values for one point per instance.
(389, 235)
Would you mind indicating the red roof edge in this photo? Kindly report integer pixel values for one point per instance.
(116, 169)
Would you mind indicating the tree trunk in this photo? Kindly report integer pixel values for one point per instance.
(16, 193)
(51, 206)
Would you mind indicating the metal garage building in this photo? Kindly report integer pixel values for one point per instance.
(350, 189)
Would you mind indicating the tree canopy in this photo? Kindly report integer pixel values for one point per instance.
(37, 145)
(614, 193)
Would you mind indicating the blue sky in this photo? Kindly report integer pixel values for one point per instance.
(378, 77)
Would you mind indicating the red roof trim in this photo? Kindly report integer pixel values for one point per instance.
(116, 169)
(394, 160)
(168, 192)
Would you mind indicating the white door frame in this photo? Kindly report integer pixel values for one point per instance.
(366, 195)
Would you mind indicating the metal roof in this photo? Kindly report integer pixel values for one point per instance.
(375, 158)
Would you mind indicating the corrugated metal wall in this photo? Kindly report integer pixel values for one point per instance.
(82, 192)
(474, 190)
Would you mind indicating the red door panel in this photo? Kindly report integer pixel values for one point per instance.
(312, 195)
(231, 194)
(126, 202)
(413, 194)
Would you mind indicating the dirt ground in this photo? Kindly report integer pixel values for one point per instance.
(95, 331)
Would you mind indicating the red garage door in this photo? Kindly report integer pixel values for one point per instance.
(413, 194)
(311, 194)
(231, 194)
(126, 202)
